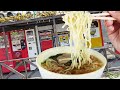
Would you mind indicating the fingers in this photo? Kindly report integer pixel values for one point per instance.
(110, 28)
(108, 23)
(115, 14)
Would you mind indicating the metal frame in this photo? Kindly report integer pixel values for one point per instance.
(11, 73)
(1, 74)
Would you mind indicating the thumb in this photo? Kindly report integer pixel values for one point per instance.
(115, 14)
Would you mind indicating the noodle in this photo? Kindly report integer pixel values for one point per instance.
(79, 24)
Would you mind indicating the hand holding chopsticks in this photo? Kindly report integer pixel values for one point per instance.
(102, 16)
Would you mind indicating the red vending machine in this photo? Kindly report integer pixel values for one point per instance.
(19, 47)
(44, 37)
(46, 41)
(5, 53)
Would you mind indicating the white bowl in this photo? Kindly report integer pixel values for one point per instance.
(45, 74)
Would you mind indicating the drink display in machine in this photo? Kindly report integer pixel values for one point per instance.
(5, 53)
(19, 47)
(31, 46)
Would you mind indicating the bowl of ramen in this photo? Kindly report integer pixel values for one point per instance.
(77, 61)
(52, 65)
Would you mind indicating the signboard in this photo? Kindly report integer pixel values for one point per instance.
(63, 38)
(96, 34)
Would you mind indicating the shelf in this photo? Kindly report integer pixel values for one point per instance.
(31, 20)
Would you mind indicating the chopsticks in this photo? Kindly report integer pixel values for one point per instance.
(102, 16)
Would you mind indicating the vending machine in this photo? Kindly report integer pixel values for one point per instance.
(31, 46)
(63, 35)
(5, 53)
(19, 47)
(45, 37)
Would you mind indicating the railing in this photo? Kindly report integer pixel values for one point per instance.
(24, 61)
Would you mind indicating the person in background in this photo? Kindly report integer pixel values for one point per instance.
(113, 29)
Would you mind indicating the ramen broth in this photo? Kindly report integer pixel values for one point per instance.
(54, 65)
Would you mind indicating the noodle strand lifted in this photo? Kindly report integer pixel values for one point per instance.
(79, 25)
